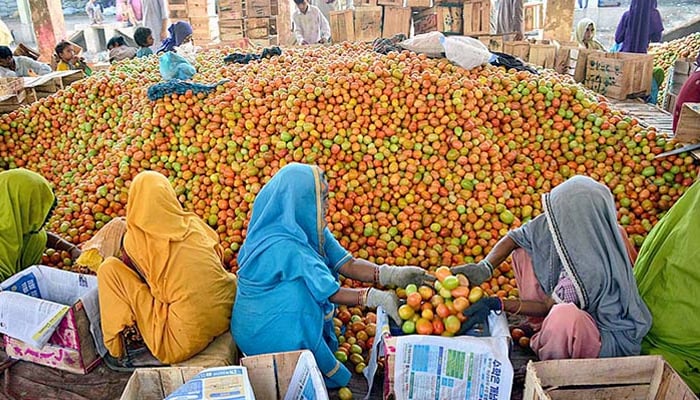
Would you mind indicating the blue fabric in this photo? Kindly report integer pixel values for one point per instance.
(174, 66)
(288, 269)
(178, 32)
(578, 233)
(144, 52)
(654, 96)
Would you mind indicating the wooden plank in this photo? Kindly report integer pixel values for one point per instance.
(144, 385)
(607, 371)
(342, 26)
(258, 8)
(396, 20)
(419, 3)
(477, 17)
(270, 374)
(170, 380)
(633, 392)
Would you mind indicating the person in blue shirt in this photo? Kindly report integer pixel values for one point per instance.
(288, 274)
(144, 39)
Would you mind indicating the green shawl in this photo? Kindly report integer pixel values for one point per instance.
(26, 199)
(668, 276)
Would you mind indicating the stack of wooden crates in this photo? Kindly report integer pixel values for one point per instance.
(452, 17)
(681, 71)
(255, 20)
(200, 15)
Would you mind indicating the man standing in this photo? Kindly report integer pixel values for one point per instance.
(310, 26)
(19, 66)
(510, 18)
(155, 18)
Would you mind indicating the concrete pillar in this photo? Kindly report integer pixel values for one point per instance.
(25, 14)
(49, 26)
(559, 19)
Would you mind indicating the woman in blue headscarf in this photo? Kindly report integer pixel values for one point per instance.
(180, 32)
(638, 26)
(573, 266)
(288, 274)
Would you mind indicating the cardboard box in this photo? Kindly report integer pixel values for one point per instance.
(445, 19)
(477, 17)
(273, 375)
(688, 128)
(72, 346)
(519, 49)
(368, 23)
(396, 20)
(543, 53)
(342, 26)
(619, 75)
(580, 57)
(641, 377)
(157, 383)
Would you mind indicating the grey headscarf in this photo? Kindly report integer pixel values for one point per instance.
(579, 233)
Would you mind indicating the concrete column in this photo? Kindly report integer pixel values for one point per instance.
(49, 26)
(25, 14)
(559, 19)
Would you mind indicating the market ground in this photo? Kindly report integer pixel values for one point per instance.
(674, 13)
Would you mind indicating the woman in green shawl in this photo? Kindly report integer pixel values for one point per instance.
(26, 202)
(668, 276)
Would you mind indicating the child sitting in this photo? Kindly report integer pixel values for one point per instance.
(118, 50)
(144, 39)
(68, 60)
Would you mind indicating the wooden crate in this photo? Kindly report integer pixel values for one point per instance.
(688, 128)
(543, 53)
(231, 29)
(477, 17)
(564, 63)
(682, 69)
(342, 26)
(270, 374)
(157, 383)
(419, 3)
(619, 75)
(533, 16)
(364, 3)
(520, 49)
(232, 9)
(396, 20)
(264, 42)
(11, 86)
(11, 102)
(492, 42)
(257, 28)
(390, 3)
(632, 378)
(368, 23)
(445, 19)
(258, 8)
(203, 28)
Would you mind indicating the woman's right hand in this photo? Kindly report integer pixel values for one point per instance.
(476, 273)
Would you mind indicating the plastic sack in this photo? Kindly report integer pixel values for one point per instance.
(429, 44)
(466, 52)
(175, 66)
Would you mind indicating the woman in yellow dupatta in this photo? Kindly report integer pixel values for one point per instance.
(170, 282)
(26, 203)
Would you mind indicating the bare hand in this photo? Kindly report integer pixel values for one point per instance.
(519, 36)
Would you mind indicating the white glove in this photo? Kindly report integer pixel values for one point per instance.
(476, 273)
(388, 301)
(403, 276)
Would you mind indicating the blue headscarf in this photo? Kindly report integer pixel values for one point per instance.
(179, 31)
(578, 233)
(638, 26)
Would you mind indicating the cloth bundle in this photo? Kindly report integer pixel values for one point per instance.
(387, 45)
(176, 86)
(245, 58)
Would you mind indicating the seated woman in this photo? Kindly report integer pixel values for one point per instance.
(288, 275)
(573, 267)
(585, 35)
(180, 33)
(27, 201)
(668, 275)
(689, 93)
(170, 282)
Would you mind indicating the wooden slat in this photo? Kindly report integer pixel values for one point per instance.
(270, 373)
(635, 392)
(170, 379)
(608, 371)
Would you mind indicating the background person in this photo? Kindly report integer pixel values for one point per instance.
(144, 39)
(27, 202)
(310, 25)
(155, 18)
(180, 33)
(68, 60)
(20, 66)
(509, 18)
(585, 35)
(118, 50)
(573, 265)
(288, 275)
(639, 26)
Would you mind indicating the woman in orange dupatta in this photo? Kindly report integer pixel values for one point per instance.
(170, 282)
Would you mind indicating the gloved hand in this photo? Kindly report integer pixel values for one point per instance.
(476, 273)
(478, 312)
(388, 301)
(403, 276)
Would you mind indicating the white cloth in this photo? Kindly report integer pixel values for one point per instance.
(154, 12)
(510, 17)
(311, 26)
(22, 67)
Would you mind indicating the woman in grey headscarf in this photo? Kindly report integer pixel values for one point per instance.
(573, 266)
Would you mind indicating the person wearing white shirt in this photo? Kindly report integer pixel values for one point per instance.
(19, 66)
(310, 26)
